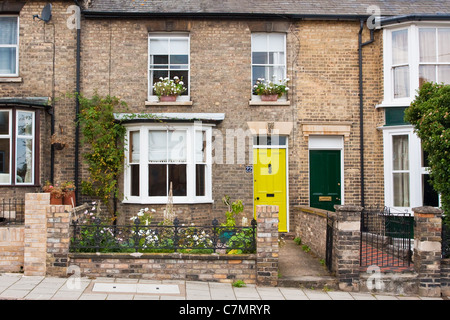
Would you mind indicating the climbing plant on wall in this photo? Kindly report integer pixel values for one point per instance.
(102, 135)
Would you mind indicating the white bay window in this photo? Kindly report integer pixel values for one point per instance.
(414, 54)
(163, 158)
(17, 147)
(406, 173)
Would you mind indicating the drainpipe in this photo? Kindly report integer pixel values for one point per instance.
(77, 107)
(361, 103)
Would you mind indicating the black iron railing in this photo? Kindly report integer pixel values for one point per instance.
(445, 241)
(12, 211)
(386, 239)
(176, 237)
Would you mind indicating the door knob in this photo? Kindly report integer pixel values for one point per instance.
(257, 198)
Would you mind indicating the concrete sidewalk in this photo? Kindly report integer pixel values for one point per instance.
(18, 287)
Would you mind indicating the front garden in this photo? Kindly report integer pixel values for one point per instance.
(91, 233)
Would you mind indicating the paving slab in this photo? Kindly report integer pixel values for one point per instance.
(363, 296)
(316, 294)
(269, 293)
(338, 295)
(293, 294)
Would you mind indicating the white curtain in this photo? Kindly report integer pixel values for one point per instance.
(157, 146)
(135, 147)
(400, 57)
(177, 146)
(427, 44)
(400, 47)
(400, 157)
(444, 44)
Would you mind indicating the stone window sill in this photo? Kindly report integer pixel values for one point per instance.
(269, 103)
(10, 80)
(176, 103)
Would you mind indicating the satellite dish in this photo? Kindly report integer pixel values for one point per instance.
(46, 14)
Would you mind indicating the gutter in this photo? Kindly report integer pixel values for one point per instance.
(415, 17)
(361, 104)
(222, 15)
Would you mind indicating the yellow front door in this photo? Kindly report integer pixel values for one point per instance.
(269, 186)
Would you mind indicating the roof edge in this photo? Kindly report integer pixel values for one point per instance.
(232, 15)
(415, 17)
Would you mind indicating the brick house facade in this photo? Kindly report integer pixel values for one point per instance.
(218, 50)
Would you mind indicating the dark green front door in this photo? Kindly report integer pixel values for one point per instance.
(325, 178)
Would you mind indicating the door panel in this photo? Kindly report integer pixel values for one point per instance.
(325, 178)
(269, 186)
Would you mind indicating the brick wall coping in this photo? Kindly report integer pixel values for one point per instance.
(428, 211)
(180, 256)
(316, 211)
(348, 208)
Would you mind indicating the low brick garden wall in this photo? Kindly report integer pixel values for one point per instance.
(310, 225)
(42, 247)
(11, 248)
(164, 266)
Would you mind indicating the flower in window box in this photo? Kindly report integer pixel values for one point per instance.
(166, 88)
(270, 90)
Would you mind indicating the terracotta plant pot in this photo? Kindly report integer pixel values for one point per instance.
(56, 201)
(69, 198)
(168, 98)
(269, 97)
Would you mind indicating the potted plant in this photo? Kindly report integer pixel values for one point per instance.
(68, 188)
(56, 193)
(168, 89)
(270, 90)
(57, 142)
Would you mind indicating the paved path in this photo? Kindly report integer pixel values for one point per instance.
(17, 286)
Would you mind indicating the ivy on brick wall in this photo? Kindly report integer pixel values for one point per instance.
(105, 158)
(430, 115)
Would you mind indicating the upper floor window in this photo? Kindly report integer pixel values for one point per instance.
(9, 45)
(168, 57)
(268, 56)
(414, 55)
(434, 54)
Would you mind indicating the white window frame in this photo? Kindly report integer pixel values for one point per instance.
(13, 138)
(171, 36)
(15, 74)
(413, 61)
(27, 137)
(415, 167)
(10, 137)
(284, 64)
(190, 197)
